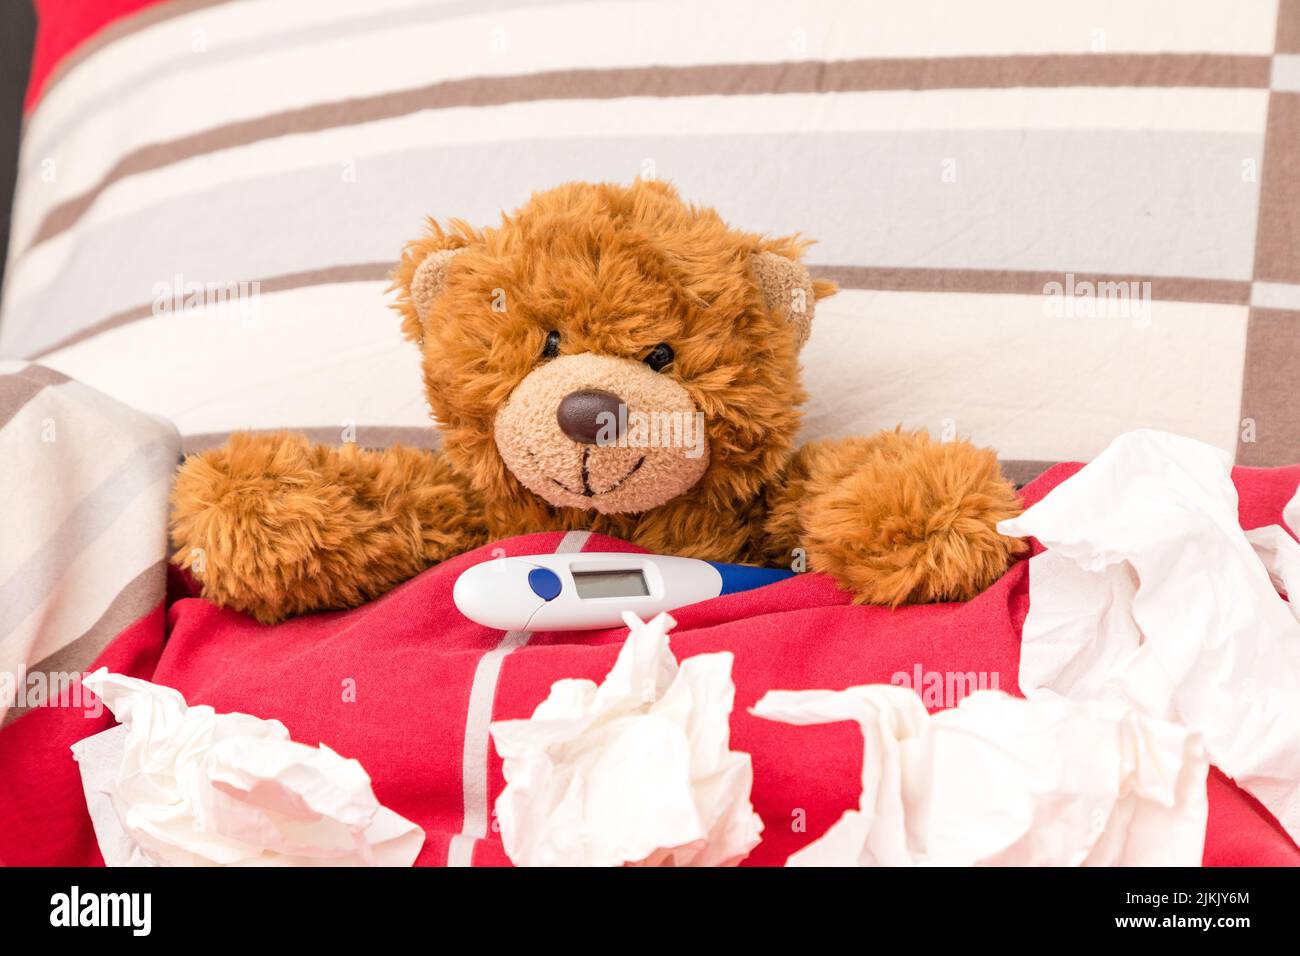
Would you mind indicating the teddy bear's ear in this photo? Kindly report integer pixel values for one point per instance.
(418, 279)
(789, 290)
(428, 279)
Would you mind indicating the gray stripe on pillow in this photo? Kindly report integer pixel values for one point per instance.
(32, 581)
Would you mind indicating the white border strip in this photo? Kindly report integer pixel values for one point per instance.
(1275, 295)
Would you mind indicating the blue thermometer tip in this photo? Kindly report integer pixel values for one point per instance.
(742, 577)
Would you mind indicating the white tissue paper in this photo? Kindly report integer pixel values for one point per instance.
(1291, 513)
(637, 770)
(1151, 593)
(1280, 555)
(174, 785)
(1000, 781)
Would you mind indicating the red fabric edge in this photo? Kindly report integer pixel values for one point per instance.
(62, 27)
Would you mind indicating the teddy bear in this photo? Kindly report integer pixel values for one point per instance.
(608, 358)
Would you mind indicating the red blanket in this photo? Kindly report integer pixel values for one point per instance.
(408, 686)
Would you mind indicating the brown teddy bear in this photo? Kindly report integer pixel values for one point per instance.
(608, 358)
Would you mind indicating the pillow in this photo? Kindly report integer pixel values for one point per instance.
(1047, 232)
(85, 488)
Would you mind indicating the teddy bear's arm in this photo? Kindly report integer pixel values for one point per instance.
(895, 518)
(275, 526)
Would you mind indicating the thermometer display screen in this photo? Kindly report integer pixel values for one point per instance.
(609, 584)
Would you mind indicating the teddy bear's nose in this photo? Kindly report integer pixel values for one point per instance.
(590, 414)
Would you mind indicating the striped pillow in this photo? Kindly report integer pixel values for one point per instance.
(1052, 222)
(84, 554)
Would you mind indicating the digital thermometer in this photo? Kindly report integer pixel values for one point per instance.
(580, 592)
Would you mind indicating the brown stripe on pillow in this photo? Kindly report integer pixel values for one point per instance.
(80, 563)
(365, 436)
(140, 596)
(1288, 26)
(355, 272)
(1055, 70)
(1020, 472)
(1016, 282)
(886, 278)
(1277, 243)
(108, 496)
(19, 388)
(1270, 399)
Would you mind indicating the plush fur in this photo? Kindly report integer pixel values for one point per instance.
(276, 527)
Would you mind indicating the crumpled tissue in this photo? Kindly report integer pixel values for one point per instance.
(1280, 555)
(637, 770)
(1001, 781)
(174, 785)
(1291, 513)
(1150, 592)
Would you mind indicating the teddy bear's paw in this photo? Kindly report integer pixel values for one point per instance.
(915, 523)
(264, 524)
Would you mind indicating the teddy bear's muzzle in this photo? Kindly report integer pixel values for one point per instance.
(602, 433)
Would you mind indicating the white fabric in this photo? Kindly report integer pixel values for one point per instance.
(637, 770)
(175, 785)
(1291, 513)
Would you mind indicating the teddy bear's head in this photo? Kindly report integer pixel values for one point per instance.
(610, 348)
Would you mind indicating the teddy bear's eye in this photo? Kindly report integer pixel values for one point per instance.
(659, 356)
(552, 347)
